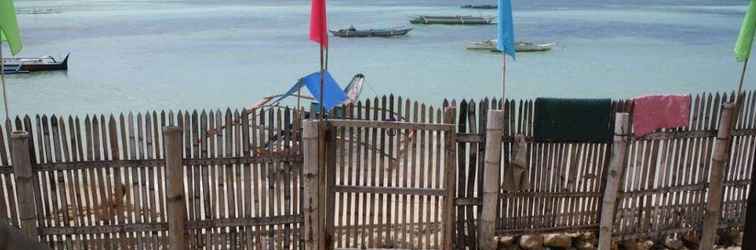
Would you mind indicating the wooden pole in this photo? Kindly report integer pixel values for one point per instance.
(451, 178)
(614, 176)
(750, 223)
(329, 178)
(492, 171)
(503, 76)
(22, 169)
(311, 197)
(718, 165)
(176, 199)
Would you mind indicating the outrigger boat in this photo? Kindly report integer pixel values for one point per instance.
(460, 20)
(353, 32)
(47, 63)
(490, 45)
(480, 7)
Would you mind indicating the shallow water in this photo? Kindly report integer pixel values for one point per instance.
(144, 55)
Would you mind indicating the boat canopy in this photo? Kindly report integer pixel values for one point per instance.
(333, 97)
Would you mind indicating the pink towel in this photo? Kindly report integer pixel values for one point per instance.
(660, 111)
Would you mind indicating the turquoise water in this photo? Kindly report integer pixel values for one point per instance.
(144, 55)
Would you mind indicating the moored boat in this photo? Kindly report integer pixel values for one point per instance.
(353, 32)
(47, 63)
(521, 46)
(480, 7)
(37, 11)
(460, 20)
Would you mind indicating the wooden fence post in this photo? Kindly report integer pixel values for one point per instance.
(492, 171)
(614, 176)
(311, 197)
(175, 197)
(750, 223)
(22, 169)
(718, 164)
(449, 218)
(329, 179)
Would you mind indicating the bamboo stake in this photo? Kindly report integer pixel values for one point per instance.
(613, 179)
(487, 224)
(719, 163)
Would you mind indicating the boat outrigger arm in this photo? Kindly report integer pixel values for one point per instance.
(352, 92)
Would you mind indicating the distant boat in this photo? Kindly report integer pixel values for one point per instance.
(353, 32)
(461, 20)
(490, 45)
(481, 7)
(47, 63)
(37, 11)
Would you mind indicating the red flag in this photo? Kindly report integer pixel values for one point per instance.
(318, 23)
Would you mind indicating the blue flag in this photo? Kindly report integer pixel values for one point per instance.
(505, 30)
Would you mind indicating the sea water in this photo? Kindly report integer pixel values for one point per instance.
(129, 55)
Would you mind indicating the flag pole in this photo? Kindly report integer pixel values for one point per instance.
(742, 78)
(737, 94)
(322, 93)
(2, 78)
(503, 76)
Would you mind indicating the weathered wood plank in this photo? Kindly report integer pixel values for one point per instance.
(616, 170)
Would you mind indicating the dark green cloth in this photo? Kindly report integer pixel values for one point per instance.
(572, 120)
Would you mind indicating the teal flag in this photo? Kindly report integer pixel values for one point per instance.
(9, 26)
(505, 30)
(745, 39)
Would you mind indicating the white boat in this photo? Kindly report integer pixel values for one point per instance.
(520, 46)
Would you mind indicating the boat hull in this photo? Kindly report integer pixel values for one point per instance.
(370, 33)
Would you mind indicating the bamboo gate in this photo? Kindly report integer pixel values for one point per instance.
(397, 181)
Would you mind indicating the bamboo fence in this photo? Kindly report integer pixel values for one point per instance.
(100, 181)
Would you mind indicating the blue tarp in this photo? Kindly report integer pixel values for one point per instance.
(334, 95)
